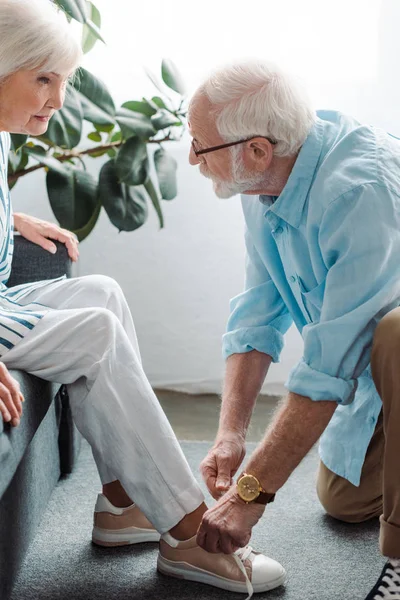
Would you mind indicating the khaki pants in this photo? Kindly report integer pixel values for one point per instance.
(379, 490)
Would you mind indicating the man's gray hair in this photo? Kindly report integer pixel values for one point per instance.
(36, 34)
(255, 98)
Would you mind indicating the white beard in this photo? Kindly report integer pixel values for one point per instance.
(242, 181)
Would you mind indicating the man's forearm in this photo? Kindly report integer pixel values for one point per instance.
(245, 374)
(296, 427)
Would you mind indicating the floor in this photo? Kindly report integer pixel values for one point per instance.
(195, 417)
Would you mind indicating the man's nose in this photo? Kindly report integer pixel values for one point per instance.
(193, 159)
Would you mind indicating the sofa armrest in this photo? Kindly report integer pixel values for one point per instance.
(32, 263)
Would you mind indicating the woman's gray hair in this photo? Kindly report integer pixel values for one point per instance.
(255, 98)
(35, 34)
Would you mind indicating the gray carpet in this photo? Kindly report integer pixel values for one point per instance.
(325, 559)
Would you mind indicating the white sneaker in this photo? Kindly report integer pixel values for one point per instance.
(115, 526)
(244, 571)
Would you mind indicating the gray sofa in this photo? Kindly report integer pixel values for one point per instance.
(34, 455)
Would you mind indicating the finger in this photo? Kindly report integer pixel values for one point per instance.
(227, 545)
(4, 412)
(12, 386)
(210, 477)
(224, 478)
(22, 397)
(8, 403)
(72, 247)
(211, 541)
(44, 242)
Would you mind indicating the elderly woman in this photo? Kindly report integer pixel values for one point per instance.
(80, 332)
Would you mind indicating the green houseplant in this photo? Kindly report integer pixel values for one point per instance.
(124, 187)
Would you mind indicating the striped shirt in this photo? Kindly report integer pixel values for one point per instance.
(18, 316)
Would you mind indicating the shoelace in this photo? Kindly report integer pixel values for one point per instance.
(390, 588)
(240, 556)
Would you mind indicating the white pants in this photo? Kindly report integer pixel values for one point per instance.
(89, 343)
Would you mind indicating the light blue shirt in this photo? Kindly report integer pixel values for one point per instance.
(326, 254)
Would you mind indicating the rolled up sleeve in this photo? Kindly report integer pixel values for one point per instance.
(360, 244)
(259, 317)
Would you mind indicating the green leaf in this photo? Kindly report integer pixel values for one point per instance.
(89, 38)
(97, 104)
(117, 137)
(140, 107)
(166, 167)
(65, 126)
(73, 197)
(172, 77)
(164, 119)
(95, 136)
(159, 102)
(38, 153)
(104, 128)
(83, 232)
(132, 163)
(125, 206)
(100, 152)
(154, 80)
(17, 141)
(134, 124)
(152, 192)
(75, 8)
(94, 30)
(112, 153)
(17, 161)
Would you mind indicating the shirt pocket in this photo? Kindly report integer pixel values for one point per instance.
(312, 300)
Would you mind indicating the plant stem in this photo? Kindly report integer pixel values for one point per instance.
(68, 155)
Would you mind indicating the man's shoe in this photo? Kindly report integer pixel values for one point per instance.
(120, 526)
(388, 585)
(244, 571)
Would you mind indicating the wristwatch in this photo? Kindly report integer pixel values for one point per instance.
(249, 489)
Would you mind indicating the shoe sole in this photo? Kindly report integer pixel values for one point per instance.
(123, 537)
(182, 570)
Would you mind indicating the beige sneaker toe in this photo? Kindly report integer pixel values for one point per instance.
(245, 571)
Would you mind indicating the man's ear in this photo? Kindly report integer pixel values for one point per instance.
(258, 154)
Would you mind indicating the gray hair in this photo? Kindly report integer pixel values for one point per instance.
(35, 34)
(255, 98)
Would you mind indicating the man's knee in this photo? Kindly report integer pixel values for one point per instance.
(344, 501)
(387, 332)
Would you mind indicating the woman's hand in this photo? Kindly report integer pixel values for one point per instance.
(10, 397)
(41, 232)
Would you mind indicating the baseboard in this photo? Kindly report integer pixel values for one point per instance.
(212, 387)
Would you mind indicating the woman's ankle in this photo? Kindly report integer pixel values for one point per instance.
(187, 528)
(115, 493)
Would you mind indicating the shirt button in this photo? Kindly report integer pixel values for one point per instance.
(278, 230)
(292, 278)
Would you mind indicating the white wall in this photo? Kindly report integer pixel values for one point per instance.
(178, 281)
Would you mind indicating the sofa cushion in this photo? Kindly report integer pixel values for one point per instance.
(15, 440)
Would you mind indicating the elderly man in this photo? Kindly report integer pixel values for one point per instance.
(321, 201)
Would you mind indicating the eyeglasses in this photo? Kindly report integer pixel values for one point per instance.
(221, 146)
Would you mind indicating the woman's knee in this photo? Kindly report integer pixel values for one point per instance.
(100, 287)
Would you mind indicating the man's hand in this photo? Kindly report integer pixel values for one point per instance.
(10, 397)
(228, 525)
(222, 462)
(41, 232)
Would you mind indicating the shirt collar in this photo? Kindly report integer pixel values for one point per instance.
(289, 204)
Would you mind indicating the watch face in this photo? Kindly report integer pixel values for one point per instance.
(248, 488)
